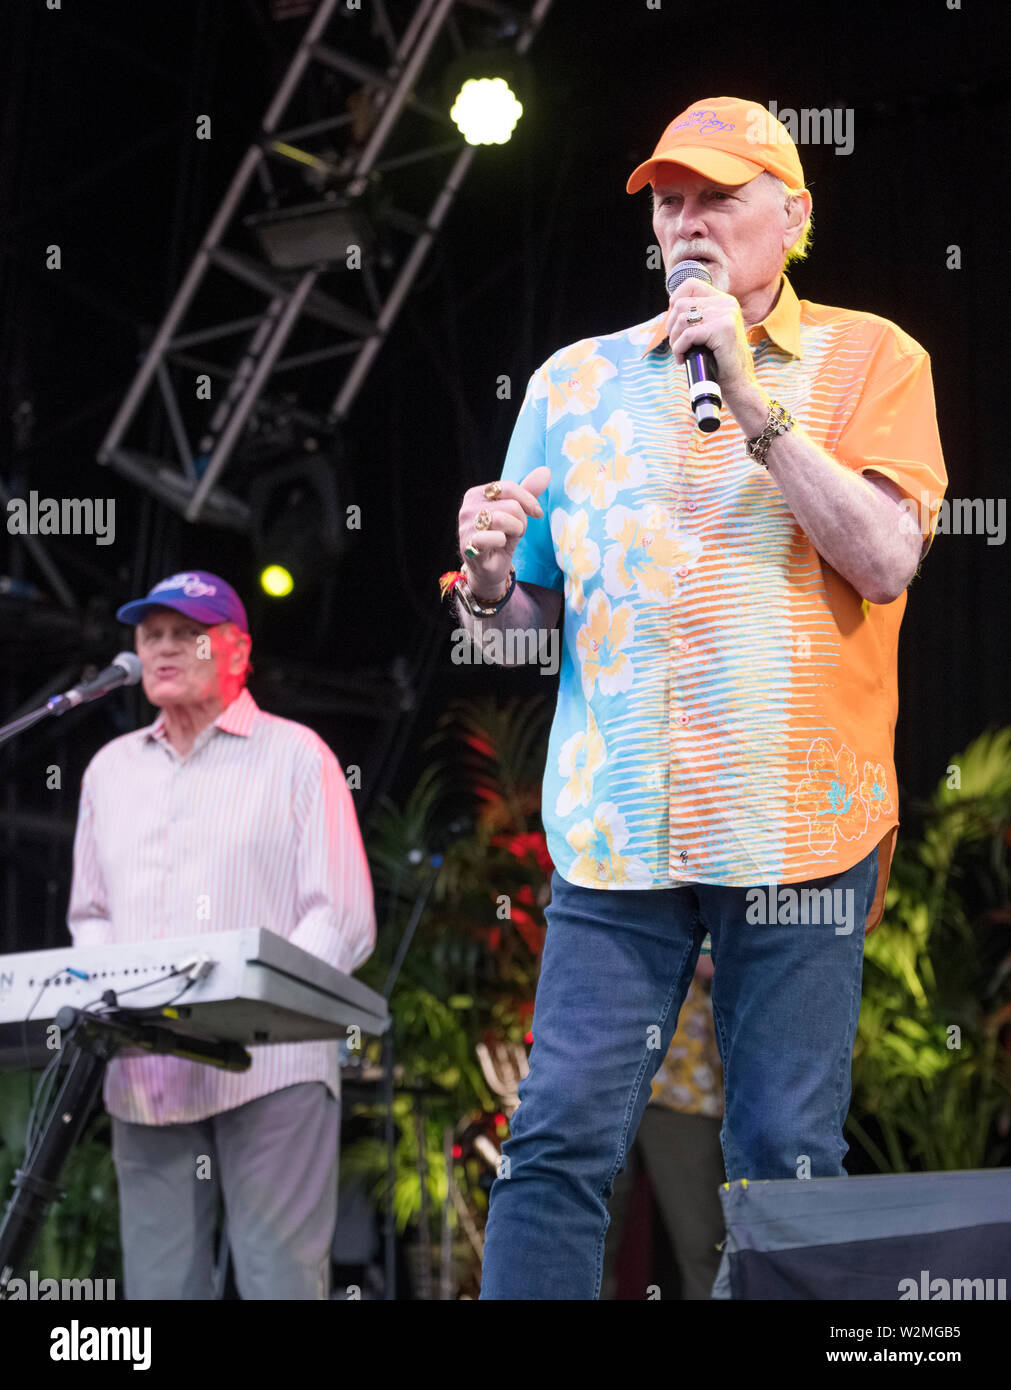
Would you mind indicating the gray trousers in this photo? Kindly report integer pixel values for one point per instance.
(273, 1161)
(684, 1160)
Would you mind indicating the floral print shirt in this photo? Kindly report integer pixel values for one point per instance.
(727, 701)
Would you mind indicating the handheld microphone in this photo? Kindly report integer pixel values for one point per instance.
(703, 385)
(125, 670)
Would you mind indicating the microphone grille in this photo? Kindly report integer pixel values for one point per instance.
(130, 663)
(687, 270)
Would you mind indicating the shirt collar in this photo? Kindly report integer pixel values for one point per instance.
(781, 324)
(236, 718)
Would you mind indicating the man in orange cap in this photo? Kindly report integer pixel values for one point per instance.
(721, 756)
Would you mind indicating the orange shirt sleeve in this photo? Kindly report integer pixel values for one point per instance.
(893, 430)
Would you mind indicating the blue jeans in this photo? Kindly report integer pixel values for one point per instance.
(615, 971)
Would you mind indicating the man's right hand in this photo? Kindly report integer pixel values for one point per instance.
(488, 571)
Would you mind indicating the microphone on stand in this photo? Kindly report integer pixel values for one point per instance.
(703, 385)
(124, 670)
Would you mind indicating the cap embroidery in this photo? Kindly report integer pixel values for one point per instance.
(705, 121)
(191, 585)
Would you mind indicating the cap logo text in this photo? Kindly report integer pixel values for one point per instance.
(704, 121)
(191, 585)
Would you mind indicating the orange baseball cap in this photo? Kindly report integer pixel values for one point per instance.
(725, 139)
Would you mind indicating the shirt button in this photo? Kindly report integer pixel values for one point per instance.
(690, 506)
(682, 717)
(682, 570)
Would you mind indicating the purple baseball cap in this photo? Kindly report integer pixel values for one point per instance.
(205, 598)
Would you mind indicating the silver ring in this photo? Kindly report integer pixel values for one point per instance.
(693, 315)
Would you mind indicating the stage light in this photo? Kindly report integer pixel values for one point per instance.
(276, 581)
(322, 233)
(297, 525)
(486, 111)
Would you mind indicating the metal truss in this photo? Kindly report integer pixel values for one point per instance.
(358, 128)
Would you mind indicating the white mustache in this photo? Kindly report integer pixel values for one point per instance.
(692, 253)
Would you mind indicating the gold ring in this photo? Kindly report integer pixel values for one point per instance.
(482, 521)
(493, 491)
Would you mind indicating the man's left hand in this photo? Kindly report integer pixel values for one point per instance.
(722, 331)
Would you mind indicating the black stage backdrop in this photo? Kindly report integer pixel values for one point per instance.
(542, 247)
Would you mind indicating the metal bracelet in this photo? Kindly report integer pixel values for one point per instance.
(780, 421)
(475, 607)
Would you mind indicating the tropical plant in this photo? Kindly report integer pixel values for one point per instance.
(80, 1237)
(932, 1070)
(470, 974)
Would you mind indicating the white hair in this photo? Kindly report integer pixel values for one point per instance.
(802, 245)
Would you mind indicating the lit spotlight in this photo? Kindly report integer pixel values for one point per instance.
(486, 111)
(276, 581)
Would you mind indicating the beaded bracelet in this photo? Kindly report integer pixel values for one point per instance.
(455, 582)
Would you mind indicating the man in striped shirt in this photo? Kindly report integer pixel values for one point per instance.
(721, 756)
(218, 816)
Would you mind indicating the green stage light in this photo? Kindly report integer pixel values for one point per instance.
(276, 581)
(486, 111)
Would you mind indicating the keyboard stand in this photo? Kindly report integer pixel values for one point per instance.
(89, 1042)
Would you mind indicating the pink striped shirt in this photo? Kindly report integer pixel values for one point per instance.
(255, 827)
